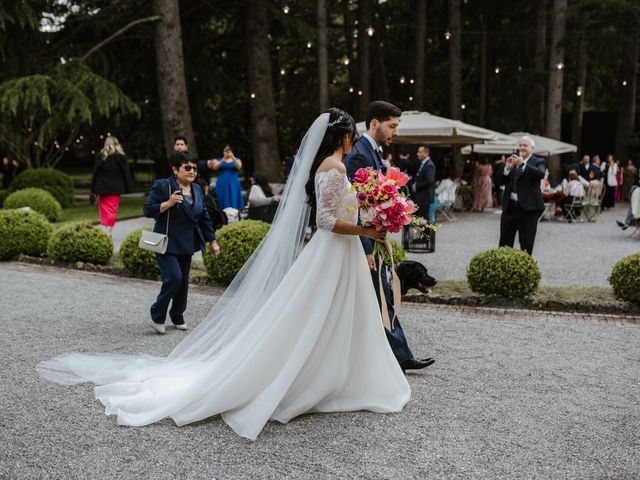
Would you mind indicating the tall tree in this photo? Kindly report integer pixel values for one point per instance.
(537, 98)
(627, 84)
(420, 52)
(365, 18)
(172, 86)
(556, 79)
(264, 135)
(455, 72)
(482, 106)
(323, 63)
(578, 102)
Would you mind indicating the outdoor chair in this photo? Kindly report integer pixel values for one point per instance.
(573, 211)
(592, 203)
(446, 210)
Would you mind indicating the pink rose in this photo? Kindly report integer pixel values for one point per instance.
(361, 176)
(389, 189)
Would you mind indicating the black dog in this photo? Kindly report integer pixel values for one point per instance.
(414, 275)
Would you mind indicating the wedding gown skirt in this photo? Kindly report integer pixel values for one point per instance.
(319, 346)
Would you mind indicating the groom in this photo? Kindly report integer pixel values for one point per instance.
(382, 123)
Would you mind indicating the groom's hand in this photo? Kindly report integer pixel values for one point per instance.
(372, 262)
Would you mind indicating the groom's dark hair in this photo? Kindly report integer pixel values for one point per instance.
(381, 111)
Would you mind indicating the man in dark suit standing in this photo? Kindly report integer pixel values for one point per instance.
(382, 123)
(522, 202)
(424, 183)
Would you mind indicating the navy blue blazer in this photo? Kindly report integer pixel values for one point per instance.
(362, 155)
(190, 227)
(527, 185)
(425, 183)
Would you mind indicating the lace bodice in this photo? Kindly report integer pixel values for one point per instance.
(334, 200)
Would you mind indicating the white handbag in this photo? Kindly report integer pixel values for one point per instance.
(156, 242)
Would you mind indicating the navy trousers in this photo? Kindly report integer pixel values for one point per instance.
(396, 338)
(175, 287)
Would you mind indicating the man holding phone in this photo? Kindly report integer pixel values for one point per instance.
(522, 202)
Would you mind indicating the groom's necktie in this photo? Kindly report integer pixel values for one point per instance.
(379, 156)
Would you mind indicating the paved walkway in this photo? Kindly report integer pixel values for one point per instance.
(580, 254)
(511, 396)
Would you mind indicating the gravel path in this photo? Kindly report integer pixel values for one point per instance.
(516, 396)
(578, 254)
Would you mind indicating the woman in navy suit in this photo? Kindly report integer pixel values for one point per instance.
(190, 229)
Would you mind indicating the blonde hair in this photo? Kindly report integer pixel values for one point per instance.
(111, 146)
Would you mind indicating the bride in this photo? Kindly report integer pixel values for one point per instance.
(297, 331)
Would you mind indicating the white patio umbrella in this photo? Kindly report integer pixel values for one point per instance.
(419, 127)
(545, 147)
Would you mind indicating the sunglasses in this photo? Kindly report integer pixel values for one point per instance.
(190, 168)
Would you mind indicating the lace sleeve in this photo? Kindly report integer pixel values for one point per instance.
(330, 186)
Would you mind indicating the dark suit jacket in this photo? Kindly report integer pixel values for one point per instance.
(528, 184)
(111, 176)
(363, 155)
(190, 227)
(425, 183)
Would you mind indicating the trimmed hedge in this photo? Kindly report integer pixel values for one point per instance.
(625, 279)
(80, 242)
(136, 260)
(37, 199)
(54, 181)
(237, 242)
(504, 272)
(25, 232)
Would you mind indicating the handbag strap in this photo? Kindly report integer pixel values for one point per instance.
(168, 209)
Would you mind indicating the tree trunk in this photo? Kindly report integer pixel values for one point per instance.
(172, 86)
(537, 107)
(482, 107)
(455, 74)
(556, 77)
(349, 55)
(364, 57)
(323, 63)
(264, 136)
(627, 85)
(380, 86)
(578, 102)
(420, 52)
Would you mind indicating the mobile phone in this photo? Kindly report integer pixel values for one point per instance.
(516, 152)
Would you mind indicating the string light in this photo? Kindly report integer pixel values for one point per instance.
(402, 80)
(447, 35)
(370, 31)
(285, 9)
(411, 81)
(579, 91)
(93, 152)
(283, 71)
(345, 60)
(101, 137)
(359, 92)
(411, 99)
(309, 44)
(497, 70)
(559, 65)
(624, 83)
(253, 95)
(463, 106)
(350, 89)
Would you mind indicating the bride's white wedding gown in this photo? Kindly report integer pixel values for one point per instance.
(319, 346)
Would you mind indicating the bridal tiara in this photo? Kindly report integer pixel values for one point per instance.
(336, 121)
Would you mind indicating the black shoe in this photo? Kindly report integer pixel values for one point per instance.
(414, 364)
(623, 226)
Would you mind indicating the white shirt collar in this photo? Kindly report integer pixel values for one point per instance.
(371, 140)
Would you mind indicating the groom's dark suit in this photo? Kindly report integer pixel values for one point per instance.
(363, 155)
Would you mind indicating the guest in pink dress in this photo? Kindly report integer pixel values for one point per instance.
(482, 186)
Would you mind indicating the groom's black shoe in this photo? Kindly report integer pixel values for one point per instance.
(413, 364)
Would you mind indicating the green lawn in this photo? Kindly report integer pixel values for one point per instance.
(129, 207)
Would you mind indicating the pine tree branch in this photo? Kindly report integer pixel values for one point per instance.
(153, 18)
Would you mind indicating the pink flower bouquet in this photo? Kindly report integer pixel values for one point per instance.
(381, 203)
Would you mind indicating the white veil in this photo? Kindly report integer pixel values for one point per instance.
(237, 308)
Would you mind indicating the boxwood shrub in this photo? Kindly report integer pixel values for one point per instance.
(25, 232)
(80, 242)
(504, 272)
(237, 242)
(57, 183)
(625, 278)
(37, 199)
(138, 261)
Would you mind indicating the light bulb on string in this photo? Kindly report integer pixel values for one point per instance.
(579, 91)
(253, 95)
(359, 92)
(309, 44)
(370, 31)
(463, 106)
(283, 71)
(350, 89)
(559, 66)
(497, 70)
(624, 83)
(345, 60)
(402, 80)
(411, 99)
(412, 81)
(447, 35)
(285, 9)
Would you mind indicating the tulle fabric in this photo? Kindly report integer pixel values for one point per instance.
(292, 334)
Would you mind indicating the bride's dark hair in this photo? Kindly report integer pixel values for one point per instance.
(340, 123)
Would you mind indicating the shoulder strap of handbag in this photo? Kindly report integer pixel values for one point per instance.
(168, 209)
